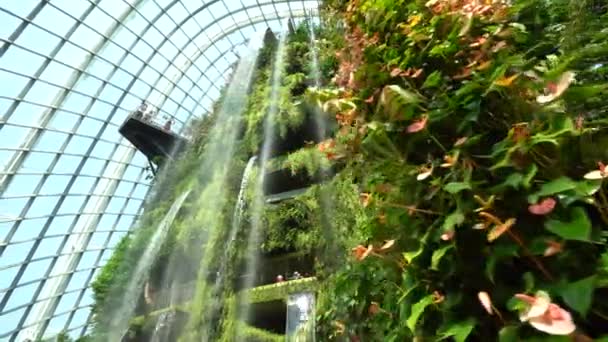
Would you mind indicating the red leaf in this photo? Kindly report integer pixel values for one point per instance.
(543, 207)
(395, 72)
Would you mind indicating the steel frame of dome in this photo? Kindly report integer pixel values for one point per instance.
(60, 222)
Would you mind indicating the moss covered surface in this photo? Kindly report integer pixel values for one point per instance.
(280, 290)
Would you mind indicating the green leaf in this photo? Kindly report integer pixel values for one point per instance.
(579, 294)
(508, 334)
(459, 330)
(529, 176)
(456, 187)
(528, 281)
(432, 80)
(553, 187)
(454, 219)
(578, 228)
(410, 256)
(514, 180)
(399, 103)
(588, 187)
(417, 311)
(437, 255)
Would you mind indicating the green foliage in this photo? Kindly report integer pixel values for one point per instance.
(311, 160)
(280, 291)
(254, 334)
(469, 148)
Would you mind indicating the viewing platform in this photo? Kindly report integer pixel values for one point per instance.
(153, 137)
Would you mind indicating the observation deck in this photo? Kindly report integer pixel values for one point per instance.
(153, 137)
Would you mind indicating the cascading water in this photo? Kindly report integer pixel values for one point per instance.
(316, 73)
(213, 176)
(316, 76)
(257, 206)
(237, 218)
(122, 315)
(321, 124)
(161, 333)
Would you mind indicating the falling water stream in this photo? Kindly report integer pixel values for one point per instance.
(326, 206)
(121, 317)
(237, 218)
(316, 76)
(257, 207)
(211, 194)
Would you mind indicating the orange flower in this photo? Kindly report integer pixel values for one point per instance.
(360, 252)
(450, 161)
(546, 316)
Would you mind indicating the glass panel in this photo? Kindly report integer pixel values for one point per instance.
(74, 72)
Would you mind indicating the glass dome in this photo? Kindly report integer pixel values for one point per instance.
(70, 185)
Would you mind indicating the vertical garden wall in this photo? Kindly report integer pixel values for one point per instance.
(476, 133)
(448, 157)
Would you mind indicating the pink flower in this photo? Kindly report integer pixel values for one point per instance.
(543, 207)
(417, 125)
(546, 316)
